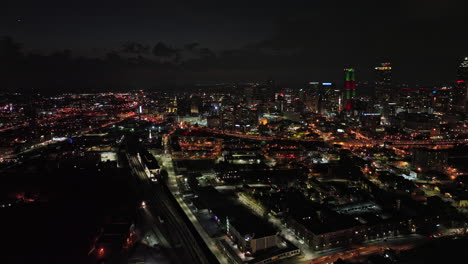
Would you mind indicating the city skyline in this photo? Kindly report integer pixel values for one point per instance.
(245, 40)
(163, 70)
(240, 132)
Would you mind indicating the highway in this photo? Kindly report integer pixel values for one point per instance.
(397, 243)
(350, 142)
(175, 229)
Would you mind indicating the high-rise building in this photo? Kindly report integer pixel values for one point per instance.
(442, 99)
(256, 93)
(321, 98)
(172, 107)
(195, 105)
(461, 87)
(350, 88)
(312, 97)
(383, 84)
(462, 73)
(248, 95)
(330, 98)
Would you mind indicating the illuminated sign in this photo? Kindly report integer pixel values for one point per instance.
(59, 138)
(383, 68)
(327, 84)
(386, 66)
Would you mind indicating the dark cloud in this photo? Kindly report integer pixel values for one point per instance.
(292, 42)
(9, 48)
(192, 46)
(206, 52)
(164, 50)
(61, 72)
(423, 43)
(132, 47)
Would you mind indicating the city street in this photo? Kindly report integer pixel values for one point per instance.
(168, 165)
(176, 229)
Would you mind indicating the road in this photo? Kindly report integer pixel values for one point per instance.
(210, 242)
(348, 142)
(286, 232)
(175, 230)
(368, 248)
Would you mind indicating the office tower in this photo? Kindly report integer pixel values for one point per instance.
(462, 73)
(256, 93)
(312, 97)
(350, 88)
(195, 105)
(383, 84)
(172, 107)
(423, 100)
(330, 98)
(321, 98)
(461, 87)
(248, 95)
(239, 118)
(442, 100)
(267, 90)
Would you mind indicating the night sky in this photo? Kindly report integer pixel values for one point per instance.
(290, 41)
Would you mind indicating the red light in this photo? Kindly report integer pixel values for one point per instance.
(348, 105)
(461, 81)
(101, 252)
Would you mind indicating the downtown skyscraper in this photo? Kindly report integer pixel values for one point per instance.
(461, 86)
(383, 84)
(350, 88)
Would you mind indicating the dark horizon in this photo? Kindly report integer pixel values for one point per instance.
(215, 132)
(173, 43)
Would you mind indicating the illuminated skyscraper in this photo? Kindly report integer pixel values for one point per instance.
(311, 97)
(461, 89)
(383, 84)
(330, 98)
(463, 70)
(350, 88)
